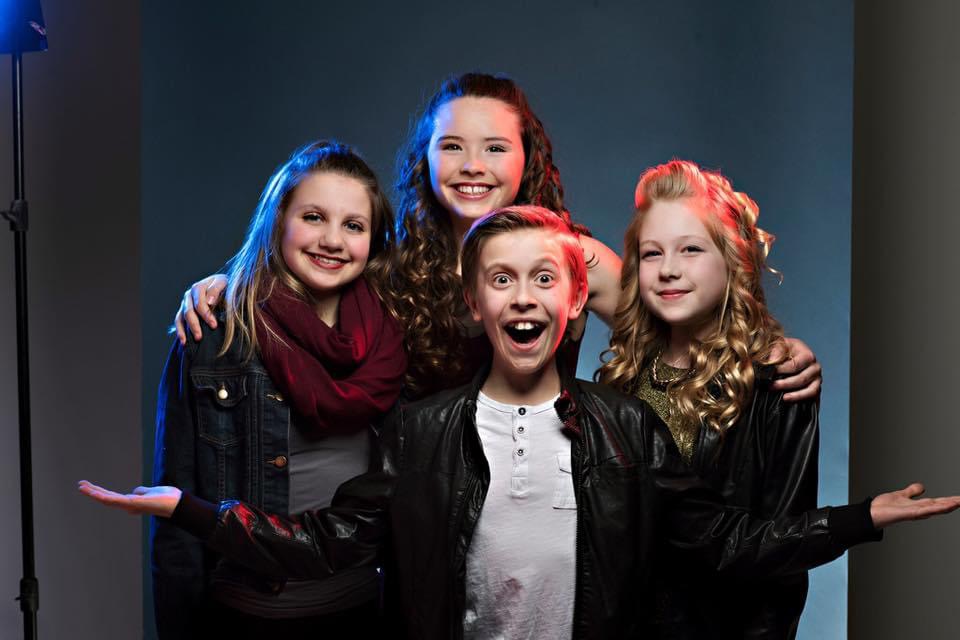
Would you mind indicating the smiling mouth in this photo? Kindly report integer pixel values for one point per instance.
(327, 261)
(473, 189)
(672, 294)
(524, 331)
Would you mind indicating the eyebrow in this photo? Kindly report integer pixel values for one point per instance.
(311, 205)
(539, 264)
(681, 238)
(491, 139)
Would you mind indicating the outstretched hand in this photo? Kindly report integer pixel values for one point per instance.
(145, 501)
(199, 301)
(901, 506)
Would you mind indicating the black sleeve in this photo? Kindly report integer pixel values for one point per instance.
(738, 542)
(790, 438)
(177, 558)
(349, 533)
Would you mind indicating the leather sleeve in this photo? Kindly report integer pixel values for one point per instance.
(734, 541)
(177, 557)
(349, 533)
(788, 486)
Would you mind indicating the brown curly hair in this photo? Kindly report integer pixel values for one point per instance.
(423, 286)
(722, 365)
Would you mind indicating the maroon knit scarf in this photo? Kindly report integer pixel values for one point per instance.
(339, 378)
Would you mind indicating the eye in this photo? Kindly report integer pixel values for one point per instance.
(354, 226)
(692, 248)
(497, 148)
(649, 253)
(312, 216)
(450, 146)
(501, 280)
(545, 278)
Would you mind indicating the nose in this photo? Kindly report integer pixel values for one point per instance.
(330, 237)
(669, 269)
(473, 164)
(523, 298)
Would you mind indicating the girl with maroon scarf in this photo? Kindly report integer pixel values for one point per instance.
(274, 406)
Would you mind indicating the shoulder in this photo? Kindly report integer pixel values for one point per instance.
(622, 408)
(435, 411)
(780, 422)
(205, 353)
(770, 400)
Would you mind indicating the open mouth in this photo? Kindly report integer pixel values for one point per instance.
(524, 331)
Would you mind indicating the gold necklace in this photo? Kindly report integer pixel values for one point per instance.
(653, 372)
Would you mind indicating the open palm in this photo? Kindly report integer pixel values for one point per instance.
(147, 501)
(901, 506)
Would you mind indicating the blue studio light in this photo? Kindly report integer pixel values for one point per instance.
(22, 27)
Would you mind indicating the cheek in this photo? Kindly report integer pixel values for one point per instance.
(435, 169)
(360, 250)
(647, 276)
(514, 173)
(289, 242)
(714, 274)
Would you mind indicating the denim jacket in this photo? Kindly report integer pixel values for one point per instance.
(221, 433)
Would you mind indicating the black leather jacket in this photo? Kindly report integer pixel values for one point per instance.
(631, 488)
(767, 464)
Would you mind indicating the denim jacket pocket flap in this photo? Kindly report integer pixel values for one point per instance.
(222, 414)
(223, 390)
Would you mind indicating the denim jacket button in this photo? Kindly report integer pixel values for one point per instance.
(222, 393)
(279, 462)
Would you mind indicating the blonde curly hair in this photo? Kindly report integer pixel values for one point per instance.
(722, 364)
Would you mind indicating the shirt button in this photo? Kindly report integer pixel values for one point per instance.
(522, 411)
(519, 452)
(520, 429)
(279, 462)
(222, 393)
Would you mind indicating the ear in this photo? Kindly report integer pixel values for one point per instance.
(578, 303)
(472, 305)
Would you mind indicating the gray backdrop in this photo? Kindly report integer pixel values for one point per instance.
(82, 146)
(759, 90)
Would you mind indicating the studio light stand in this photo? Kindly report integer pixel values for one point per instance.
(23, 30)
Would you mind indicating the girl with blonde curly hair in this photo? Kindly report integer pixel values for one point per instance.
(692, 336)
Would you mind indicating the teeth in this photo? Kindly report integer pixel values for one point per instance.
(523, 326)
(473, 189)
(323, 260)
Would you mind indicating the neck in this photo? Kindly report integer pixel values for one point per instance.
(511, 387)
(458, 234)
(327, 308)
(677, 351)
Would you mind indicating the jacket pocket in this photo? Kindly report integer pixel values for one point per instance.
(563, 494)
(220, 406)
(223, 424)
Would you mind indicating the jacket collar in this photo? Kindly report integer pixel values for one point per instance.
(567, 405)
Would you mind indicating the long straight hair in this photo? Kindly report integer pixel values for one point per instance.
(259, 265)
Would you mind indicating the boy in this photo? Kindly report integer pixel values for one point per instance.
(526, 504)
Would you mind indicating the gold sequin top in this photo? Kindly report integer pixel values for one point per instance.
(685, 434)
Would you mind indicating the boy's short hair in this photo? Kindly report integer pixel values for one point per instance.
(517, 218)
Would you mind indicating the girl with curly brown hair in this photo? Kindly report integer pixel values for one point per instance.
(693, 337)
(476, 146)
